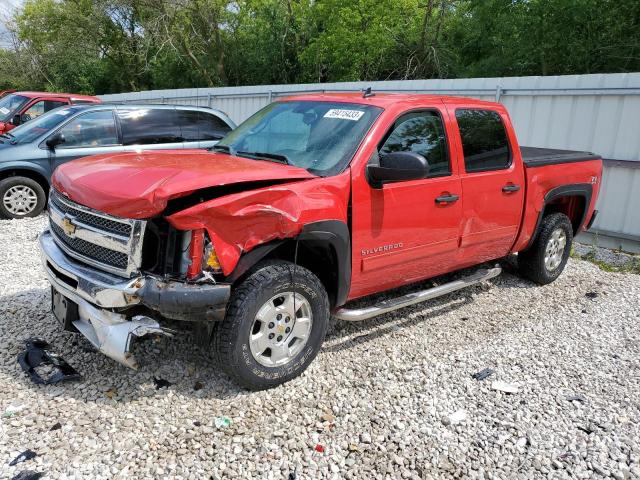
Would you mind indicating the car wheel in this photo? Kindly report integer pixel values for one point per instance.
(21, 197)
(545, 260)
(274, 326)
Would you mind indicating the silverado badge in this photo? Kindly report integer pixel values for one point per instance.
(68, 226)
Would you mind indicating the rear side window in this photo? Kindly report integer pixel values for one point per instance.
(484, 140)
(423, 133)
(198, 126)
(148, 126)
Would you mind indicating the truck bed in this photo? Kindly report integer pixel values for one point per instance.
(539, 157)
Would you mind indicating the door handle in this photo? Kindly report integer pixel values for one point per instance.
(449, 198)
(510, 188)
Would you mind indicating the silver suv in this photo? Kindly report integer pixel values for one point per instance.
(30, 152)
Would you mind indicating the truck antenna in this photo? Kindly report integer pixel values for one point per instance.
(367, 93)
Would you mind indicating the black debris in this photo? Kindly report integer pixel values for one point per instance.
(28, 475)
(293, 475)
(56, 426)
(464, 319)
(198, 386)
(482, 374)
(584, 310)
(37, 354)
(23, 457)
(587, 430)
(197, 423)
(161, 383)
(577, 398)
(591, 294)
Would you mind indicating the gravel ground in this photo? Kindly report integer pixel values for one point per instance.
(392, 397)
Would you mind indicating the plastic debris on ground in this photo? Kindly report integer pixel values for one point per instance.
(161, 383)
(11, 410)
(222, 422)
(112, 392)
(56, 426)
(457, 417)
(591, 295)
(319, 448)
(28, 475)
(23, 457)
(43, 366)
(482, 374)
(504, 387)
(577, 398)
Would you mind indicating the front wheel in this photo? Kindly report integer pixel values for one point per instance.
(545, 260)
(274, 326)
(21, 197)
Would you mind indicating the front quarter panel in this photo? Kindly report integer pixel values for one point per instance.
(239, 222)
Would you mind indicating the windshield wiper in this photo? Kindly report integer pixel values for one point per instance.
(278, 157)
(220, 148)
(8, 135)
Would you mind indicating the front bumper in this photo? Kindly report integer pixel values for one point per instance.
(103, 300)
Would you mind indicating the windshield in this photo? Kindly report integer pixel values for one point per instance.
(10, 105)
(32, 130)
(318, 136)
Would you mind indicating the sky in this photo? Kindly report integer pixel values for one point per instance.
(7, 7)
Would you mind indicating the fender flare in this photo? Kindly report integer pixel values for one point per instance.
(334, 233)
(584, 190)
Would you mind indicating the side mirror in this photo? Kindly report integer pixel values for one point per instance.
(55, 140)
(16, 120)
(398, 167)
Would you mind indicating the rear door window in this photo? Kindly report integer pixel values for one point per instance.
(484, 140)
(201, 126)
(149, 126)
(92, 129)
(423, 133)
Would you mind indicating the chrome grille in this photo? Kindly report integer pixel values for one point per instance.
(91, 219)
(91, 250)
(106, 242)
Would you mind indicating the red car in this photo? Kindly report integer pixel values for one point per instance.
(4, 93)
(311, 203)
(19, 107)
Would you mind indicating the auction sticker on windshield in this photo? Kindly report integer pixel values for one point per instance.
(344, 114)
(4, 110)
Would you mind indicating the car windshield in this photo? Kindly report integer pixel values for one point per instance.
(32, 130)
(10, 105)
(321, 137)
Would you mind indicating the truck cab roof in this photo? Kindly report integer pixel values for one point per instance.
(72, 96)
(384, 100)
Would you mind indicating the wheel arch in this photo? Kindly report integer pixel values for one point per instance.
(573, 200)
(322, 247)
(34, 174)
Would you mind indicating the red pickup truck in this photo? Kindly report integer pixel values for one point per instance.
(312, 202)
(17, 108)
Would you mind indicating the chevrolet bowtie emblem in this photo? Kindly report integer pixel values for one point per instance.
(68, 226)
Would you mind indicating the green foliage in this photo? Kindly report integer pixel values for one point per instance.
(103, 46)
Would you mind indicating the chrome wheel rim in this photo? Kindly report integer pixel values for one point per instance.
(554, 250)
(20, 200)
(280, 329)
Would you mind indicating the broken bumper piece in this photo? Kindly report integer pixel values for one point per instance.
(101, 300)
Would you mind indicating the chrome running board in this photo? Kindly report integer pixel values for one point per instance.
(358, 314)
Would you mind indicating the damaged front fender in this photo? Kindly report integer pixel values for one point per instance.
(239, 222)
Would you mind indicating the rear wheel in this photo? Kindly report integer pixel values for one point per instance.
(545, 260)
(274, 326)
(21, 197)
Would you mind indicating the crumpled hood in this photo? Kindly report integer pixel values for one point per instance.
(139, 185)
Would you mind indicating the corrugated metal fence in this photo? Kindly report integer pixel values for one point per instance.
(598, 113)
